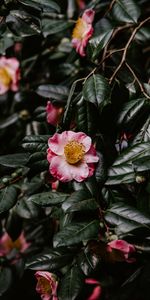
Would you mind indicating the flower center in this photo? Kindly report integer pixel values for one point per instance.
(74, 152)
(5, 78)
(45, 286)
(9, 244)
(80, 29)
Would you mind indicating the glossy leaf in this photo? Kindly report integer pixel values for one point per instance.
(96, 44)
(97, 90)
(56, 92)
(130, 110)
(6, 279)
(71, 284)
(14, 160)
(8, 198)
(126, 11)
(49, 198)
(76, 233)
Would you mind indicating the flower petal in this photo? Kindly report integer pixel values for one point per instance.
(91, 156)
(88, 16)
(80, 137)
(57, 142)
(65, 172)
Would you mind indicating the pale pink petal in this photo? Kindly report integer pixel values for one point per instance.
(63, 171)
(91, 156)
(50, 154)
(88, 16)
(3, 88)
(46, 297)
(53, 113)
(57, 142)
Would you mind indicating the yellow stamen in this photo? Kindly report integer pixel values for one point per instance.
(9, 244)
(45, 285)
(5, 78)
(80, 29)
(74, 152)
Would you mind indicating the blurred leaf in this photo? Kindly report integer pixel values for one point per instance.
(8, 198)
(87, 262)
(144, 134)
(23, 24)
(50, 260)
(97, 90)
(71, 284)
(49, 198)
(76, 233)
(78, 201)
(14, 160)
(5, 280)
(126, 218)
(96, 44)
(54, 26)
(85, 117)
(27, 209)
(56, 92)
(126, 11)
(45, 5)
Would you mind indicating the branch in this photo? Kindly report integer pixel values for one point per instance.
(126, 48)
(137, 80)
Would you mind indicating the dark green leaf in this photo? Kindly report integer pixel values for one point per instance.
(49, 198)
(8, 198)
(23, 24)
(126, 11)
(27, 209)
(97, 90)
(6, 279)
(36, 143)
(50, 260)
(50, 27)
(87, 262)
(56, 92)
(14, 160)
(76, 233)
(96, 44)
(126, 218)
(46, 5)
(71, 284)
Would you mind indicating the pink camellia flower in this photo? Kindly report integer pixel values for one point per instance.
(71, 156)
(53, 113)
(123, 247)
(9, 74)
(46, 285)
(83, 31)
(6, 244)
(81, 4)
(96, 290)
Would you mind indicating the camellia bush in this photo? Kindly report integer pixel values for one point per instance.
(75, 149)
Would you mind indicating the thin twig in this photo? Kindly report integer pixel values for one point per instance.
(126, 48)
(137, 80)
(109, 8)
(2, 186)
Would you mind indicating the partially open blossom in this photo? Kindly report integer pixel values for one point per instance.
(53, 113)
(124, 248)
(81, 4)
(71, 156)
(6, 244)
(9, 74)
(46, 285)
(96, 293)
(83, 31)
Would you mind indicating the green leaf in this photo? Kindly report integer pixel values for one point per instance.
(49, 198)
(86, 117)
(142, 164)
(23, 24)
(14, 160)
(76, 233)
(87, 262)
(50, 27)
(126, 11)
(96, 44)
(6, 279)
(46, 5)
(71, 284)
(56, 92)
(49, 260)
(130, 110)
(126, 218)
(27, 209)
(8, 198)
(79, 200)
(36, 143)
(122, 170)
(97, 90)
(144, 134)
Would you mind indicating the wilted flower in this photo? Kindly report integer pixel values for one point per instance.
(95, 295)
(6, 244)
(124, 248)
(83, 31)
(71, 156)
(53, 113)
(9, 74)
(46, 285)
